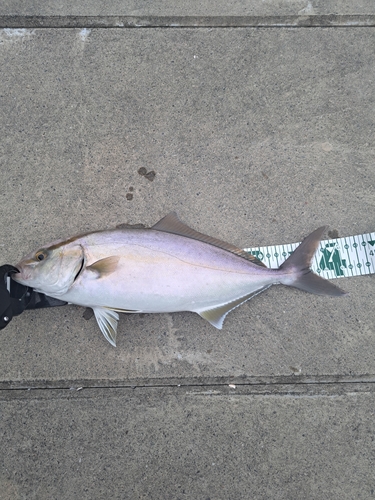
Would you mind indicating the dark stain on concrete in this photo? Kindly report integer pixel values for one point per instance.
(88, 314)
(333, 234)
(149, 175)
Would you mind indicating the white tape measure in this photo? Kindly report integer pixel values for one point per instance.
(336, 258)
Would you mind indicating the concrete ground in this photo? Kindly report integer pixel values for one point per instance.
(256, 135)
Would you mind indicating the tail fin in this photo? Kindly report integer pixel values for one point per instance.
(298, 268)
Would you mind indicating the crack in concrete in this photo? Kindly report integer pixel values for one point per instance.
(260, 385)
(102, 22)
(231, 393)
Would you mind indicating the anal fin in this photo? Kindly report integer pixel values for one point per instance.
(216, 315)
(107, 321)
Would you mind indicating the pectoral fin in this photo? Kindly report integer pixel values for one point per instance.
(107, 321)
(216, 315)
(104, 267)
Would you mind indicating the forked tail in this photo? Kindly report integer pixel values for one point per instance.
(297, 268)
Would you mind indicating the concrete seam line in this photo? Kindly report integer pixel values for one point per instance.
(292, 21)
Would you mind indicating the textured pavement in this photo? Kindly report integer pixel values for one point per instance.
(253, 135)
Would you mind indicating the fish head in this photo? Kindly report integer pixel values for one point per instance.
(51, 269)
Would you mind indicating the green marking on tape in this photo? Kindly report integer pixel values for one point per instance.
(332, 260)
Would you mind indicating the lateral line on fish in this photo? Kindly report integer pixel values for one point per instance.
(195, 265)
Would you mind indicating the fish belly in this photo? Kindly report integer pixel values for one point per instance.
(161, 272)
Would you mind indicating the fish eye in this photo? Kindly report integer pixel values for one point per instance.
(41, 255)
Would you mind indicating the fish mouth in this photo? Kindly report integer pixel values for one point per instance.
(10, 271)
(79, 270)
(17, 275)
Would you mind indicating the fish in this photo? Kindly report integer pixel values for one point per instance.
(167, 268)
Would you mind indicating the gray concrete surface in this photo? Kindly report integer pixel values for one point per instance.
(250, 141)
(256, 136)
(190, 8)
(165, 443)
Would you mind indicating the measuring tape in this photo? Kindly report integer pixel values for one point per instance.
(336, 258)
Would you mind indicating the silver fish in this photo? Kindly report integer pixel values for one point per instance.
(166, 268)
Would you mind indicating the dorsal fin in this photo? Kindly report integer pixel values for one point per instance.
(130, 226)
(172, 224)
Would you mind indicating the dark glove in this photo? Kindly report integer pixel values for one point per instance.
(15, 298)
